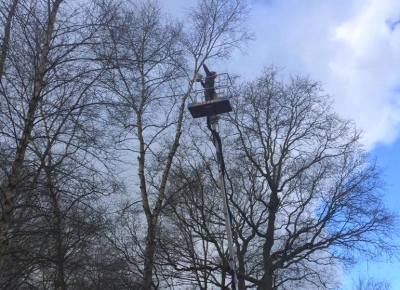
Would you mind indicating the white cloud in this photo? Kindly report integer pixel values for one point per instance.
(366, 68)
(351, 46)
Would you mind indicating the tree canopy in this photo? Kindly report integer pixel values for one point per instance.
(108, 183)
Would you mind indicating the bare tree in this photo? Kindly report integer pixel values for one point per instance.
(54, 142)
(24, 132)
(305, 196)
(153, 70)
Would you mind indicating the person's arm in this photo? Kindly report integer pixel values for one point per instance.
(206, 70)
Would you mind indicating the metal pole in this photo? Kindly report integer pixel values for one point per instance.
(228, 221)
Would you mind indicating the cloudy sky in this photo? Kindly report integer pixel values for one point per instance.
(353, 48)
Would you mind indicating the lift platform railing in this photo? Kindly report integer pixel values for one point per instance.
(220, 104)
(222, 86)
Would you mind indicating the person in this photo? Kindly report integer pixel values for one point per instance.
(208, 84)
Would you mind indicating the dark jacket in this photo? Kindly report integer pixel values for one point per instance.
(208, 84)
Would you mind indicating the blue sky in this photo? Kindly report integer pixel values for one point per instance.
(353, 48)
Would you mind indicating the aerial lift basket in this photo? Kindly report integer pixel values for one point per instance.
(219, 105)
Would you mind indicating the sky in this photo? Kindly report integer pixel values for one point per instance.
(353, 48)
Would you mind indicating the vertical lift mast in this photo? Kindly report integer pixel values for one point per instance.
(210, 109)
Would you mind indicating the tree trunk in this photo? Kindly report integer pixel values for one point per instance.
(241, 268)
(267, 281)
(56, 229)
(153, 215)
(6, 38)
(149, 254)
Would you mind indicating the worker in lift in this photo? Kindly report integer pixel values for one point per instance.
(208, 84)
